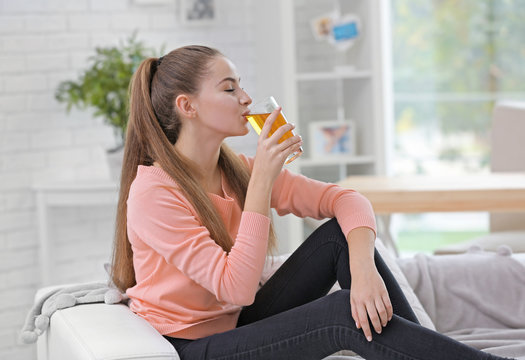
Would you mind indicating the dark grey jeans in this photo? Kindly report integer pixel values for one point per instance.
(293, 318)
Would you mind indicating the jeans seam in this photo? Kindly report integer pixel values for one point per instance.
(353, 334)
(306, 333)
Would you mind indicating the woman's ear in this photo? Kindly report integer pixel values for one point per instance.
(185, 106)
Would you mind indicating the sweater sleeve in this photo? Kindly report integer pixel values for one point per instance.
(165, 221)
(305, 197)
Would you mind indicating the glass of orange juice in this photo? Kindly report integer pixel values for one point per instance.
(260, 111)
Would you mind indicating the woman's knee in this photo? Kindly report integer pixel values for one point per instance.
(331, 231)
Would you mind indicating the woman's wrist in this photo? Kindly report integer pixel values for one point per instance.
(258, 196)
(361, 250)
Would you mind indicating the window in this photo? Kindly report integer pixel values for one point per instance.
(452, 60)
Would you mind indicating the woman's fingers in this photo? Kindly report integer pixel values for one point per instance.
(381, 311)
(373, 314)
(363, 321)
(267, 127)
(291, 141)
(374, 317)
(353, 307)
(271, 143)
(388, 306)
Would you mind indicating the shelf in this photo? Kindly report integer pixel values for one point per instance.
(319, 83)
(350, 160)
(334, 75)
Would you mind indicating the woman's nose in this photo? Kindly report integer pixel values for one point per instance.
(245, 98)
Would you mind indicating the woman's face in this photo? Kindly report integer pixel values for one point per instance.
(221, 103)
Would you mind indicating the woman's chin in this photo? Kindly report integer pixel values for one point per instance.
(244, 131)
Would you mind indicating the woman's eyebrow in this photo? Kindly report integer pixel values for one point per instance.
(229, 79)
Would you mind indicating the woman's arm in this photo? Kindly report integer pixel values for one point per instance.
(165, 220)
(268, 163)
(162, 221)
(368, 294)
(305, 197)
(302, 196)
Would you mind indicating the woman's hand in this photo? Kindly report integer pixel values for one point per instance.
(271, 155)
(369, 297)
(269, 161)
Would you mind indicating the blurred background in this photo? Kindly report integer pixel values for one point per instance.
(416, 81)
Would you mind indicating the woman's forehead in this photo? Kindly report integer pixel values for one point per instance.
(222, 68)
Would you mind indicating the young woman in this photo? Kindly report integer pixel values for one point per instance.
(193, 231)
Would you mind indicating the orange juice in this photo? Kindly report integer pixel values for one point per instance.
(257, 122)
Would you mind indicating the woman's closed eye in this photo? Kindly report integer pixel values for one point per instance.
(233, 89)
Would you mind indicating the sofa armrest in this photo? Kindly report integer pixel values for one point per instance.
(100, 331)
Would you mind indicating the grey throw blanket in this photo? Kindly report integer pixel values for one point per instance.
(61, 297)
(477, 298)
(501, 342)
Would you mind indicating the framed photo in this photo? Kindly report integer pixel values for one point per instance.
(322, 26)
(198, 12)
(339, 30)
(332, 139)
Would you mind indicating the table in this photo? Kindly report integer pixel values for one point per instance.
(492, 192)
(66, 194)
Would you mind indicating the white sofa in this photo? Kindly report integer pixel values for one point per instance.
(102, 332)
(112, 332)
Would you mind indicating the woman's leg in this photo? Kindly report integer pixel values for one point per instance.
(292, 319)
(320, 328)
(311, 271)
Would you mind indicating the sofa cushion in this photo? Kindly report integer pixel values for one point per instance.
(100, 331)
(477, 289)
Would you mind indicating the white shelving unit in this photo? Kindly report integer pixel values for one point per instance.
(332, 75)
(313, 82)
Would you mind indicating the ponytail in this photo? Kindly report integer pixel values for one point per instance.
(153, 129)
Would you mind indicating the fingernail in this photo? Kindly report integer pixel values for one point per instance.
(356, 325)
(369, 338)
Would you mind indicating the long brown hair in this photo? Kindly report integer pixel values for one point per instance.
(153, 129)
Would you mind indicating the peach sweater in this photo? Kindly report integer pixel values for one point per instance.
(187, 286)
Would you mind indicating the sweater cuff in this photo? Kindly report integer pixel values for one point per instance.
(254, 224)
(355, 220)
(347, 227)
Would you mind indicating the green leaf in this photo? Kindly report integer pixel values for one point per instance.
(103, 85)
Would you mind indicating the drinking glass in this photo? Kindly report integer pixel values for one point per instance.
(260, 111)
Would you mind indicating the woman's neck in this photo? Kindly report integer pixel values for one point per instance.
(205, 154)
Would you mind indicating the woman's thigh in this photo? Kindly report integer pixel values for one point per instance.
(311, 331)
(321, 328)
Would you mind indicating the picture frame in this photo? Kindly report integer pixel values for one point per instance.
(339, 30)
(198, 12)
(332, 139)
(322, 26)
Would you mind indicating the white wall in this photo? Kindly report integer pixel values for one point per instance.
(41, 43)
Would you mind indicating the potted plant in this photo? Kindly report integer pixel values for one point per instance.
(103, 86)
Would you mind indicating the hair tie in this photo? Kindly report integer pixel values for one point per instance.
(159, 60)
